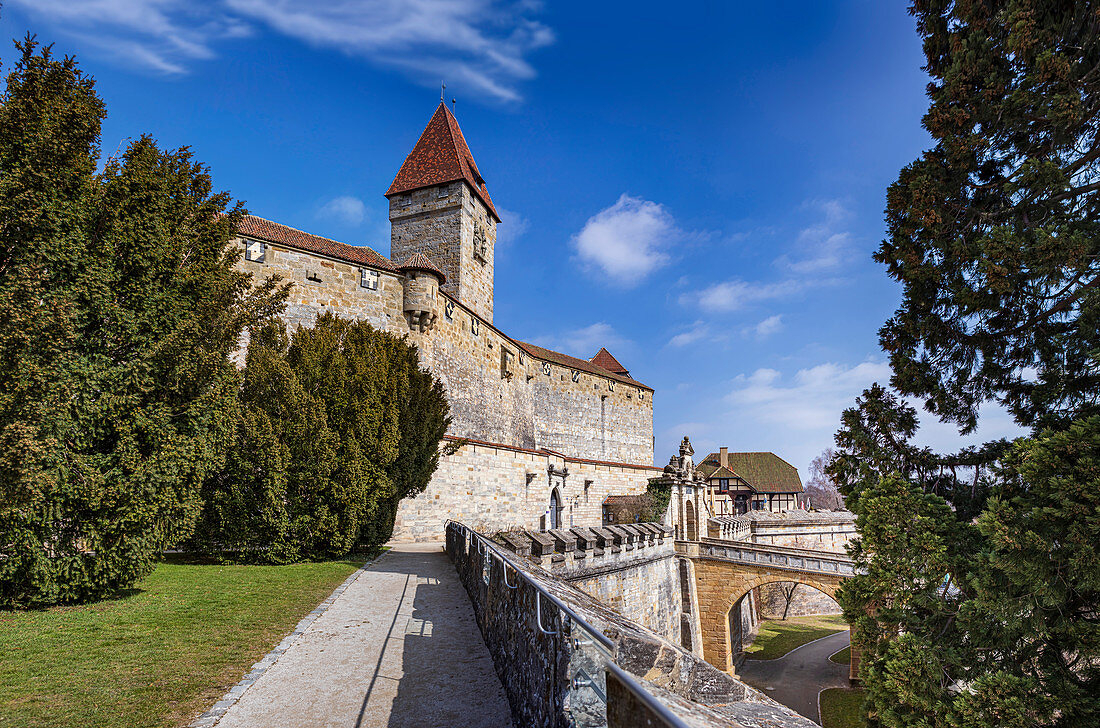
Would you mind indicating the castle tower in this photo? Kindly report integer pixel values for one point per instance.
(439, 207)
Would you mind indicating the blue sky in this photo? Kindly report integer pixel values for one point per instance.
(700, 191)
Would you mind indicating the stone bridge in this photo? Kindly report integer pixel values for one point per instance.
(725, 571)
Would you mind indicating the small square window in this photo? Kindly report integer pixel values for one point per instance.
(368, 279)
(255, 251)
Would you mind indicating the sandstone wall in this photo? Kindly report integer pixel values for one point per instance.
(645, 589)
(806, 601)
(494, 487)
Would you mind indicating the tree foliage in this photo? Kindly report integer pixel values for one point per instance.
(119, 308)
(978, 601)
(821, 491)
(337, 425)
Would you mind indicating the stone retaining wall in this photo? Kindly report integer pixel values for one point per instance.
(537, 668)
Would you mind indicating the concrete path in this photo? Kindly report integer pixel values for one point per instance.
(797, 677)
(399, 648)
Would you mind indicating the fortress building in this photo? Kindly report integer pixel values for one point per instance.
(548, 436)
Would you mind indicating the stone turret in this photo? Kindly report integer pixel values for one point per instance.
(422, 281)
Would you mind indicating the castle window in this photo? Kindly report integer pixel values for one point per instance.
(368, 279)
(449, 309)
(473, 325)
(481, 247)
(611, 385)
(404, 200)
(312, 274)
(255, 251)
(442, 191)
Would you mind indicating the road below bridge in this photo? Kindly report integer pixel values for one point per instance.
(796, 678)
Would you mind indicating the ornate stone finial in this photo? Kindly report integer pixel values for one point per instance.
(686, 448)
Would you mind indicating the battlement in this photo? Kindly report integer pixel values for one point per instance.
(582, 551)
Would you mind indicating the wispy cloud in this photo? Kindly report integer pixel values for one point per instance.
(628, 240)
(823, 246)
(697, 332)
(345, 210)
(480, 46)
(732, 295)
(585, 342)
(769, 326)
(512, 226)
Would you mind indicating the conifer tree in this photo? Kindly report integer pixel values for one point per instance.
(119, 308)
(338, 424)
(978, 604)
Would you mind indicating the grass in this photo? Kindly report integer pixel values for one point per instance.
(844, 657)
(842, 708)
(777, 637)
(158, 656)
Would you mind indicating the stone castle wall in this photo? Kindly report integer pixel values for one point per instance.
(593, 417)
(496, 487)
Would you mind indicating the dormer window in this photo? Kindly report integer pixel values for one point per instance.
(255, 251)
(368, 279)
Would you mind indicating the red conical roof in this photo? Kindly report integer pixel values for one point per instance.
(441, 156)
(419, 261)
(604, 360)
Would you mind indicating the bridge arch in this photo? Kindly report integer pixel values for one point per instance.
(733, 640)
(721, 583)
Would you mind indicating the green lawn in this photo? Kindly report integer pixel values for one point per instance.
(844, 657)
(842, 708)
(158, 656)
(777, 637)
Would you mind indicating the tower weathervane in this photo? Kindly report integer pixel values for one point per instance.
(442, 90)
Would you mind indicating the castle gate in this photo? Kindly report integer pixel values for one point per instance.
(725, 571)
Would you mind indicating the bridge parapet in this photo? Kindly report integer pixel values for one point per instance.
(773, 557)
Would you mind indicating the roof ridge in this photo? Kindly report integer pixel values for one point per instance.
(253, 226)
(312, 235)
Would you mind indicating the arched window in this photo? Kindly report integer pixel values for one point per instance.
(555, 509)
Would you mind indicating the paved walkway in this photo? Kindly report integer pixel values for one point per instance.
(797, 677)
(399, 648)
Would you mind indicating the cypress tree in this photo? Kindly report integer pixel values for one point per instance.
(119, 309)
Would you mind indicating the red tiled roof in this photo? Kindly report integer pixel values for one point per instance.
(440, 156)
(604, 360)
(419, 261)
(272, 232)
(573, 362)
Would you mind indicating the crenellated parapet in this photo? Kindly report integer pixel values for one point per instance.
(581, 550)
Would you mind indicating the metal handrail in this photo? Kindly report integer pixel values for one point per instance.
(646, 697)
(484, 542)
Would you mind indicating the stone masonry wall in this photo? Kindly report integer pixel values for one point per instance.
(806, 600)
(494, 487)
(537, 667)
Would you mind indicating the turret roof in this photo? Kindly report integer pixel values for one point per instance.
(604, 360)
(419, 261)
(441, 156)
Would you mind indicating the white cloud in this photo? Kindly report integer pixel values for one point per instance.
(628, 240)
(512, 226)
(583, 343)
(796, 417)
(692, 335)
(345, 210)
(768, 326)
(825, 246)
(478, 46)
(736, 294)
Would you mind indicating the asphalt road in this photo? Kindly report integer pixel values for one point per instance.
(797, 677)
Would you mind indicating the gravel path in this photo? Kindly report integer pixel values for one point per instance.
(398, 648)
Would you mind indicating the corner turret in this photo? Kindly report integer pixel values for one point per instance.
(422, 281)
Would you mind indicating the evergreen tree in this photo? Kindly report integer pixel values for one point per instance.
(119, 308)
(979, 601)
(338, 424)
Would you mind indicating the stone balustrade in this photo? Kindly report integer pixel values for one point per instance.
(776, 557)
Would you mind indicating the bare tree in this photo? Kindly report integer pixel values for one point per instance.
(821, 491)
(787, 588)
